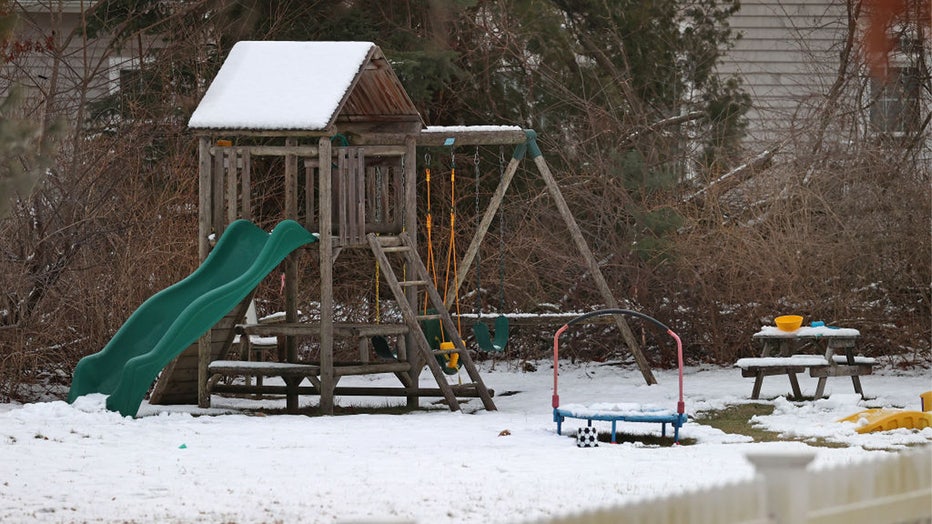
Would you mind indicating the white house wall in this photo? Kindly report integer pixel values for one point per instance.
(788, 58)
(80, 70)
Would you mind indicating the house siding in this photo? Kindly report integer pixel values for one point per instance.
(788, 57)
(77, 70)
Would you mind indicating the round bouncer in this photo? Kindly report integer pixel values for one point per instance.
(615, 411)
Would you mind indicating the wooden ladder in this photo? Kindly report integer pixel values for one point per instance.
(416, 276)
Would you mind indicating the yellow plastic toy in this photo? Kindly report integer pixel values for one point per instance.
(871, 420)
(453, 359)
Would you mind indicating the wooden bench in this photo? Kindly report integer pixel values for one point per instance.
(760, 367)
(834, 357)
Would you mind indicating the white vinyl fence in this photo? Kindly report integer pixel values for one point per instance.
(892, 489)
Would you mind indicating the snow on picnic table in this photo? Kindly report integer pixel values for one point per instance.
(81, 463)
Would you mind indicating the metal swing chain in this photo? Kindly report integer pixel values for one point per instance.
(478, 261)
(501, 235)
(429, 224)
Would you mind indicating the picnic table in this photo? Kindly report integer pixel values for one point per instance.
(824, 351)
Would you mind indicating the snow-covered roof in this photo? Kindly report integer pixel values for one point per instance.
(303, 86)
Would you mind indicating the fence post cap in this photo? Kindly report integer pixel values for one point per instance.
(780, 459)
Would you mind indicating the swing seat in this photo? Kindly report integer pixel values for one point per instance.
(382, 349)
(484, 339)
(434, 334)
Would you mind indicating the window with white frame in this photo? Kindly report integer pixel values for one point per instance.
(895, 102)
(895, 105)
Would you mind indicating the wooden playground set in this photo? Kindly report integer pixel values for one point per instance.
(379, 126)
(338, 120)
(347, 135)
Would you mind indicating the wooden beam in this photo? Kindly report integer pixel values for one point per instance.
(204, 215)
(437, 136)
(266, 133)
(409, 223)
(348, 391)
(593, 267)
(325, 203)
(311, 151)
(291, 263)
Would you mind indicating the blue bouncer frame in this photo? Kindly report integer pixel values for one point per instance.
(676, 419)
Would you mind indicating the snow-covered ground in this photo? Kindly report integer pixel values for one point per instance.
(81, 463)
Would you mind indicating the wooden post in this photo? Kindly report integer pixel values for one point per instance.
(204, 215)
(326, 278)
(409, 214)
(204, 229)
(291, 264)
(246, 184)
(203, 361)
(359, 211)
(593, 266)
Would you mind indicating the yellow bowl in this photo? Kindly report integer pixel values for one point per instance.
(788, 322)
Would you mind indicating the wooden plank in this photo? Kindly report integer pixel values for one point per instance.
(437, 137)
(359, 229)
(310, 207)
(344, 329)
(231, 198)
(217, 193)
(267, 369)
(396, 204)
(771, 371)
(841, 371)
(374, 149)
(204, 216)
(340, 191)
(372, 369)
(246, 184)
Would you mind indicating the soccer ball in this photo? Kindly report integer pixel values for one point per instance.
(587, 437)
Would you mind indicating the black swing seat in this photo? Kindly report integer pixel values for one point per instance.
(382, 349)
(484, 339)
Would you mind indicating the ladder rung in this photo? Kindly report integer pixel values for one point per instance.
(390, 241)
(412, 283)
(441, 352)
(428, 317)
(396, 249)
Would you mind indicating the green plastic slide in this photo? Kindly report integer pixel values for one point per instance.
(174, 318)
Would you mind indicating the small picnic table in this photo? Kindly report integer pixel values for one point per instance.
(824, 351)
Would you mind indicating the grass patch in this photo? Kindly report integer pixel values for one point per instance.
(654, 441)
(736, 420)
